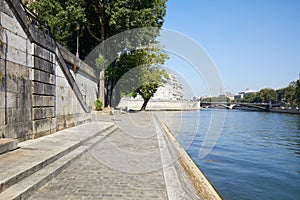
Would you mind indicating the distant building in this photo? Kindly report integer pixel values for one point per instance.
(242, 95)
(172, 90)
(248, 91)
(227, 95)
(196, 98)
(238, 96)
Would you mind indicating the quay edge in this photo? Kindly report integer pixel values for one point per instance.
(201, 183)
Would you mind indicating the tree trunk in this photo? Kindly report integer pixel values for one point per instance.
(108, 93)
(146, 100)
(111, 93)
(111, 85)
(101, 86)
(116, 97)
(102, 38)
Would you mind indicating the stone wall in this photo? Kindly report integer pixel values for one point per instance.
(69, 111)
(43, 91)
(39, 91)
(15, 78)
(136, 104)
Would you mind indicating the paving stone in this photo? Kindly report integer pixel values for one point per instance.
(127, 164)
(93, 177)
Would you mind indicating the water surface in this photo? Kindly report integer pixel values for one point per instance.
(257, 155)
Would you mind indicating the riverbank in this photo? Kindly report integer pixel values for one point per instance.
(201, 183)
(120, 156)
(273, 110)
(183, 179)
(288, 111)
(159, 105)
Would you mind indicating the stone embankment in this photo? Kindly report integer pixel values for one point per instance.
(133, 104)
(287, 110)
(201, 183)
(43, 87)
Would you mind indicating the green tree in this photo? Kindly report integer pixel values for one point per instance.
(64, 18)
(266, 95)
(98, 20)
(249, 98)
(102, 64)
(152, 79)
(287, 94)
(297, 92)
(208, 99)
(127, 15)
(110, 17)
(142, 74)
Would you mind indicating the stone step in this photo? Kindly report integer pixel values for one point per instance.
(35, 155)
(24, 188)
(7, 145)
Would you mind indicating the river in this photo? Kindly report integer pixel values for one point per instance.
(257, 155)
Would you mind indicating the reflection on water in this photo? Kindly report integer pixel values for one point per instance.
(256, 157)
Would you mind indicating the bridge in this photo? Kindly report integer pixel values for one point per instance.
(240, 105)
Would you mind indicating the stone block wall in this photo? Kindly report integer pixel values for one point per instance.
(43, 92)
(69, 112)
(39, 92)
(15, 78)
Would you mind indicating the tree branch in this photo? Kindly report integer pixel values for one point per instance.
(91, 33)
(140, 93)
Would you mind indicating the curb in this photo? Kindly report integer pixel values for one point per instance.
(201, 183)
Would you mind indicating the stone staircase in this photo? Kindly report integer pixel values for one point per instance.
(28, 168)
(7, 145)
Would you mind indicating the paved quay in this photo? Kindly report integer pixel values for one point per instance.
(131, 161)
(37, 161)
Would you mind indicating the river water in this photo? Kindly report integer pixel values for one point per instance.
(257, 155)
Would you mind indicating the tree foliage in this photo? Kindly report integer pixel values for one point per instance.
(266, 95)
(101, 62)
(287, 94)
(249, 98)
(64, 18)
(126, 15)
(142, 74)
(98, 20)
(215, 99)
(297, 92)
(152, 79)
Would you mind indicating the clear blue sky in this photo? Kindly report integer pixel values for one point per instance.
(254, 43)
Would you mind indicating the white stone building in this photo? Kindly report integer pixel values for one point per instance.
(171, 91)
(242, 95)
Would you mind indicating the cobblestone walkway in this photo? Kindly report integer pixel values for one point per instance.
(125, 165)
